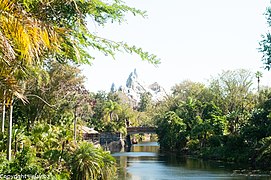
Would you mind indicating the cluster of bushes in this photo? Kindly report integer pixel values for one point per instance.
(49, 152)
(231, 124)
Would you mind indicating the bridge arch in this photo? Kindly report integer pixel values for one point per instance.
(137, 130)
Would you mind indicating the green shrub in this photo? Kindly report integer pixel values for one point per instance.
(193, 145)
(264, 157)
(89, 162)
(25, 162)
(214, 141)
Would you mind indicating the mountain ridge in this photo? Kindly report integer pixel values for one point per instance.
(135, 86)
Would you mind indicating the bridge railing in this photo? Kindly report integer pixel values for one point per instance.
(133, 130)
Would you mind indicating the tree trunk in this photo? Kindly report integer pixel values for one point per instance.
(16, 144)
(10, 132)
(258, 84)
(74, 126)
(4, 113)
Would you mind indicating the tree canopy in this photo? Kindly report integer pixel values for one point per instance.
(265, 43)
(34, 32)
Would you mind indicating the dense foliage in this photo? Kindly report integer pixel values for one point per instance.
(42, 94)
(227, 120)
(44, 102)
(44, 141)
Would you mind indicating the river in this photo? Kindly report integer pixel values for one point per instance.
(145, 162)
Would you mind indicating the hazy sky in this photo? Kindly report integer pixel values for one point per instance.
(195, 39)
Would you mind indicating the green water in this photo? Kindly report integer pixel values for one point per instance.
(144, 162)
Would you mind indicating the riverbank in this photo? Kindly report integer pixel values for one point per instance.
(240, 165)
(146, 161)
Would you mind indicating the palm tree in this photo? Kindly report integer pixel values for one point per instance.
(89, 162)
(111, 110)
(35, 31)
(86, 162)
(23, 40)
(109, 166)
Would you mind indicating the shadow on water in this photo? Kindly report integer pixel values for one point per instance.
(144, 162)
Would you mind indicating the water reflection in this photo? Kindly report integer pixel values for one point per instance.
(144, 162)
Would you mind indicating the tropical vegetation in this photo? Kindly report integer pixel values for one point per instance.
(226, 120)
(42, 93)
(44, 101)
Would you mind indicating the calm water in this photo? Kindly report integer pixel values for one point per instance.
(144, 162)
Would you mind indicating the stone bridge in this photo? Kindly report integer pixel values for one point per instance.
(140, 130)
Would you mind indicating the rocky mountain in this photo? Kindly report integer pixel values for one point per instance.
(134, 87)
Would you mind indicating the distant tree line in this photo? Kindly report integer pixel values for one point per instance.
(226, 120)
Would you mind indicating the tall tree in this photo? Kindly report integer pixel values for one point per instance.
(265, 43)
(258, 75)
(35, 32)
(234, 87)
(10, 131)
(171, 131)
(145, 101)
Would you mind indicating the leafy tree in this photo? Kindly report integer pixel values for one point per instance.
(98, 100)
(35, 32)
(190, 98)
(265, 45)
(210, 124)
(235, 90)
(145, 101)
(110, 112)
(263, 159)
(35, 29)
(171, 131)
(188, 89)
(259, 125)
(188, 111)
(128, 116)
(214, 114)
(55, 100)
(201, 130)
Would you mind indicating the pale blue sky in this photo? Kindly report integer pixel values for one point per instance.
(195, 39)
